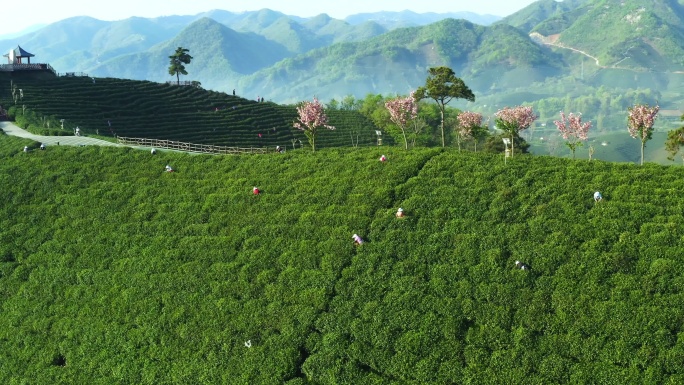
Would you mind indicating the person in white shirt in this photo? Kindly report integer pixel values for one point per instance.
(598, 197)
(358, 240)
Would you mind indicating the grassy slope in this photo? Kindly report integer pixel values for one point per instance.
(115, 272)
(160, 111)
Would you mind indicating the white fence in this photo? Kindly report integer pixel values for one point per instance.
(191, 147)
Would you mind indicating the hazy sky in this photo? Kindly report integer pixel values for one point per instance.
(17, 15)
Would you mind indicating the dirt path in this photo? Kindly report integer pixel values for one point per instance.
(553, 41)
(11, 129)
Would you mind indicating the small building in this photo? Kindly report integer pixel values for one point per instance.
(19, 62)
(16, 56)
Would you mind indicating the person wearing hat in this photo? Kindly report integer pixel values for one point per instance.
(400, 213)
(383, 158)
(598, 197)
(168, 168)
(357, 239)
(255, 191)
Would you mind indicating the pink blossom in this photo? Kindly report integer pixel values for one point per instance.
(311, 118)
(402, 111)
(513, 120)
(467, 120)
(573, 130)
(640, 124)
(640, 121)
(516, 118)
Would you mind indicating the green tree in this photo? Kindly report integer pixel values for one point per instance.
(333, 105)
(442, 86)
(373, 107)
(430, 114)
(416, 134)
(349, 103)
(479, 134)
(675, 140)
(177, 62)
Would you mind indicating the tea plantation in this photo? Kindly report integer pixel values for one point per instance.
(115, 272)
(143, 109)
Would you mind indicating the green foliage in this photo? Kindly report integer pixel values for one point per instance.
(604, 104)
(494, 143)
(538, 15)
(177, 62)
(108, 106)
(113, 271)
(634, 35)
(510, 46)
(442, 86)
(675, 140)
(397, 58)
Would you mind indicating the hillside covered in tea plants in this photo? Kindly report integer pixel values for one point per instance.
(143, 109)
(113, 271)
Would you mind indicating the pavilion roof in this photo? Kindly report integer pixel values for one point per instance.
(20, 52)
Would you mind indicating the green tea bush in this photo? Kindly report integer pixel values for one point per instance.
(119, 107)
(114, 271)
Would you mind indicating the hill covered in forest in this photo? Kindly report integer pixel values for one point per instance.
(113, 271)
(594, 57)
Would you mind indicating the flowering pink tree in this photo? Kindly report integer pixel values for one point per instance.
(573, 130)
(467, 122)
(640, 124)
(311, 118)
(402, 111)
(513, 120)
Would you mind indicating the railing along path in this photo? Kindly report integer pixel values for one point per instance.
(190, 147)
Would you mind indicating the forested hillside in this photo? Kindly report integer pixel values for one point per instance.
(114, 271)
(593, 57)
(397, 62)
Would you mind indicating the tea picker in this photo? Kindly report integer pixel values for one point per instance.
(358, 240)
(522, 266)
(598, 197)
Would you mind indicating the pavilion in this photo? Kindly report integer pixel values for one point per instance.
(19, 62)
(16, 55)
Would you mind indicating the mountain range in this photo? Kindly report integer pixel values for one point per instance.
(547, 48)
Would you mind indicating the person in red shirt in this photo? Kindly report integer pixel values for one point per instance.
(255, 191)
